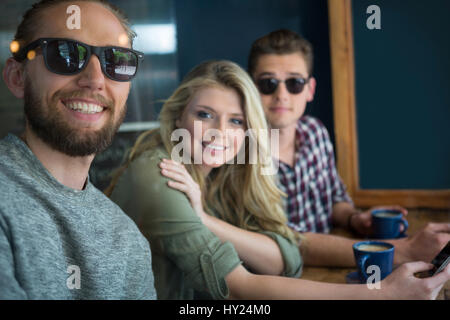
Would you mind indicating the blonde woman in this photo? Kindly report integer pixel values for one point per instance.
(204, 216)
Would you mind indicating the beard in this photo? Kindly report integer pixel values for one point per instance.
(51, 127)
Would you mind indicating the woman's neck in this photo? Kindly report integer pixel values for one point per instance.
(205, 170)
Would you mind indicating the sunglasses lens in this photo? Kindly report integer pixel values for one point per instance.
(295, 85)
(120, 64)
(65, 57)
(268, 85)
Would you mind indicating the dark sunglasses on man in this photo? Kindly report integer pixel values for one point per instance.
(293, 85)
(69, 57)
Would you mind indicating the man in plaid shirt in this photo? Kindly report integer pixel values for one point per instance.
(281, 65)
(312, 184)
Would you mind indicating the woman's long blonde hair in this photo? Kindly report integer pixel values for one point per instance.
(238, 193)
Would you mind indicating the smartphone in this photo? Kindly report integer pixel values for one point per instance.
(439, 262)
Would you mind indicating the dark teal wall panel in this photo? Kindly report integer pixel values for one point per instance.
(403, 94)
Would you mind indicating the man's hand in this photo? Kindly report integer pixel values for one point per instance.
(362, 222)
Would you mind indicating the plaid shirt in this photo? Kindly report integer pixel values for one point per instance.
(313, 185)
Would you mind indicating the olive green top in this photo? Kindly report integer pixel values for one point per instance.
(187, 258)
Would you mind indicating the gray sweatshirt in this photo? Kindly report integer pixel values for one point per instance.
(61, 243)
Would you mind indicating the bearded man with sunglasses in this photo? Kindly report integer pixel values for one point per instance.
(281, 65)
(60, 237)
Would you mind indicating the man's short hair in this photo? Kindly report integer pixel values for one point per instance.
(280, 42)
(32, 17)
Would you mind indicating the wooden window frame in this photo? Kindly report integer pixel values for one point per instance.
(344, 102)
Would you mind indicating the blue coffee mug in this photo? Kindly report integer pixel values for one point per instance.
(373, 253)
(386, 224)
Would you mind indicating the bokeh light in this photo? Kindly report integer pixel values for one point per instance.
(31, 54)
(14, 46)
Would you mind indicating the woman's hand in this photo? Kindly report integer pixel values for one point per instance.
(403, 284)
(423, 245)
(182, 181)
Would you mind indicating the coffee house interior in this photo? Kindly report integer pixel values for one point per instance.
(382, 93)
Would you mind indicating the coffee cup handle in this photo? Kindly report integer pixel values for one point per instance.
(361, 265)
(405, 225)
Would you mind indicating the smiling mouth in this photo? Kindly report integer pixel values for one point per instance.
(83, 106)
(213, 146)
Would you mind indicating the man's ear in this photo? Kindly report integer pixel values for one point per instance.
(311, 89)
(14, 77)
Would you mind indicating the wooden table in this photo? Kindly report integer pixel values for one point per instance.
(416, 219)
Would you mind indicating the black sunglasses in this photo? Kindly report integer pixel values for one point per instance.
(69, 57)
(293, 85)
